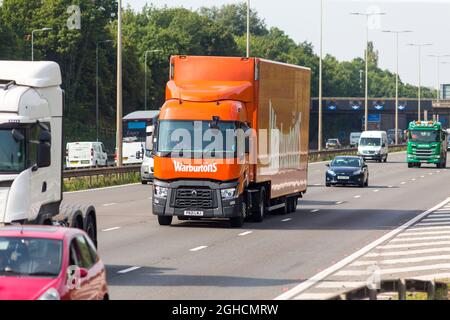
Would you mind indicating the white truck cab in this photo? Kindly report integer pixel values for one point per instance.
(373, 145)
(31, 147)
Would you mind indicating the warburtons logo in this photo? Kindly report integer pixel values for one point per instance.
(209, 168)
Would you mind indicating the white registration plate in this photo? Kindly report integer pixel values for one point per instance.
(343, 178)
(190, 213)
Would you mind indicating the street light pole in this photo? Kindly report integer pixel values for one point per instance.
(32, 39)
(248, 28)
(119, 133)
(419, 91)
(366, 96)
(397, 36)
(96, 87)
(320, 138)
(145, 81)
(438, 58)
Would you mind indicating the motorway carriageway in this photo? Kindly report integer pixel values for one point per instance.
(209, 260)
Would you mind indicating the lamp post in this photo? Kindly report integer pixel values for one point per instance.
(145, 81)
(32, 39)
(366, 99)
(397, 36)
(320, 138)
(119, 115)
(96, 87)
(419, 93)
(248, 28)
(438, 58)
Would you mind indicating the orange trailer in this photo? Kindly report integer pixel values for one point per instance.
(232, 139)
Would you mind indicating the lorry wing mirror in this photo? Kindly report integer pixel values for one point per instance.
(44, 150)
(17, 135)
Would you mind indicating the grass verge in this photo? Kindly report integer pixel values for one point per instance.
(86, 183)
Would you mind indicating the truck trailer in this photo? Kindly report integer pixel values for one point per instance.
(31, 149)
(232, 139)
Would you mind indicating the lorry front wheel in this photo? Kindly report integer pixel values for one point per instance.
(262, 209)
(165, 220)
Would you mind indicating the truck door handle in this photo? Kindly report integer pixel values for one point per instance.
(44, 187)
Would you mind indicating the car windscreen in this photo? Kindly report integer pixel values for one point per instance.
(370, 142)
(346, 162)
(424, 136)
(30, 257)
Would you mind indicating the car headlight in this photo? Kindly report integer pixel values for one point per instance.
(50, 294)
(332, 173)
(228, 193)
(161, 192)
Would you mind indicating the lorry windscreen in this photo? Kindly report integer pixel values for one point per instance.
(370, 142)
(134, 131)
(424, 136)
(197, 137)
(12, 152)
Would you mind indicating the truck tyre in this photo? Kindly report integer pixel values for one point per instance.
(258, 216)
(410, 165)
(237, 222)
(165, 220)
(385, 159)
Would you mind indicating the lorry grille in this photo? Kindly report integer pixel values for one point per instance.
(424, 152)
(194, 198)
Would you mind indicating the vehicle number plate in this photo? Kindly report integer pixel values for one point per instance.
(193, 213)
(343, 178)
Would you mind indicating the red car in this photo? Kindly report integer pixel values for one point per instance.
(50, 263)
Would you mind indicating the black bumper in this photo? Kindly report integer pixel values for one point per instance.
(353, 180)
(219, 209)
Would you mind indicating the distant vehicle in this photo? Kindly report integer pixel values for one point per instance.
(391, 136)
(86, 155)
(147, 167)
(134, 135)
(333, 144)
(347, 170)
(373, 145)
(50, 263)
(354, 139)
(427, 143)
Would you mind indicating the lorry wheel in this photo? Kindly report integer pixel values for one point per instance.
(237, 222)
(410, 165)
(385, 159)
(262, 208)
(165, 220)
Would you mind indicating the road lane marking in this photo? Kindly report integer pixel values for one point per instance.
(415, 229)
(297, 290)
(422, 177)
(245, 233)
(339, 284)
(406, 260)
(422, 238)
(129, 270)
(198, 248)
(286, 220)
(413, 179)
(426, 233)
(406, 252)
(315, 210)
(403, 182)
(436, 219)
(443, 266)
(111, 229)
(376, 190)
(414, 245)
(109, 204)
(439, 215)
(433, 223)
(357, 197)
(106, 188)
(314, 296)
(339, 202)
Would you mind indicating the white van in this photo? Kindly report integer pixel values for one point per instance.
(354, 139)
(86, 155)
(374, 145)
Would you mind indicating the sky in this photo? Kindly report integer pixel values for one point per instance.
(345, 35)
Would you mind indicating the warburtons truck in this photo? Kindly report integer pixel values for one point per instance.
(232, 139)
(31, 149)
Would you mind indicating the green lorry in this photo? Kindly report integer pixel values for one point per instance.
(427, 143)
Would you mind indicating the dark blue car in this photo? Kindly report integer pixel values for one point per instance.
(347, 170)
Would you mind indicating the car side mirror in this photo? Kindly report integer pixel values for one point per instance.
(44, 150)
(327, 165)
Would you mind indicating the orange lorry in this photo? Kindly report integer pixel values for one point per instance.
(232, 139)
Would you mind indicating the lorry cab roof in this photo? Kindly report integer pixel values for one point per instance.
(139, 115)
(31, 74)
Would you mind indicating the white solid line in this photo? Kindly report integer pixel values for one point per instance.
(426, 233)
(443, 266)
(433, 223)
(315, 210)
(286, 220)
(421, 239)
(414, 245)
(322, 275)
(111, 229)
(129, 270)
(198, 248)
(340, 284)
(109, 204)
(106, 188)
(406, 252)
(245, 233)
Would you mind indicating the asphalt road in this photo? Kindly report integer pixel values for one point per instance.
(209, 260)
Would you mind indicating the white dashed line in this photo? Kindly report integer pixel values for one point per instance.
(111, 229)
(376, 190)
(403, 182)
(357, 197)
(413, 179)
(315, 210)
(339, 202)
(286, 220)
(129, 270)
(198, 248)
(245, 233)
(109, 204)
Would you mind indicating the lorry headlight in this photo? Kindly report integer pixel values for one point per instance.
(228, 193)
(161, 192)
(50, 294)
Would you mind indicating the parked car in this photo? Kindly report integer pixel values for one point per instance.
(86, 155)
(333, 144)
(347, 170)
(50, 263)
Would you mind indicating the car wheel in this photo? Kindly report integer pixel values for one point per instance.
(144, 182)
(262, 208)
(367, 182)
(385, 159)
(328, 185)
(165, 220)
